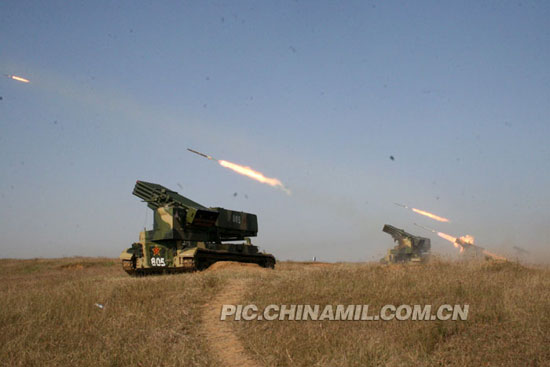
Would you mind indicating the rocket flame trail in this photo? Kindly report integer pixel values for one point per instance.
(448, 238)
(245, 171)
(430, 215)
(19, 79)
(255, 175)
(425, 213)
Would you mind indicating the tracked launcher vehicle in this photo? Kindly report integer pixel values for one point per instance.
(187, 236)
(409, 248)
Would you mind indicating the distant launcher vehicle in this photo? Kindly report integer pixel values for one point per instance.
(409, 248)
(187, 236)
(469, 251)
(466, 245)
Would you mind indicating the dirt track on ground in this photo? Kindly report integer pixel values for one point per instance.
(221, 337)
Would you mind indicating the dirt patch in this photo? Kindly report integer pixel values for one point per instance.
(220, 335)
(231, 264)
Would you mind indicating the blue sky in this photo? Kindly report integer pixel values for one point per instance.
(317, 94)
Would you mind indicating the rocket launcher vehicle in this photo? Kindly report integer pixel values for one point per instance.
(409, 248)
(189, 236)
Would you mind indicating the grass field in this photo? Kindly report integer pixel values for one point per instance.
(49, 316)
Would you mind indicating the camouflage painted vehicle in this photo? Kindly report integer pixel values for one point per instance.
(187, 236)
(409, 248)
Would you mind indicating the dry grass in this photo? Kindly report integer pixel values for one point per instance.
(508, 324)
(48, 315)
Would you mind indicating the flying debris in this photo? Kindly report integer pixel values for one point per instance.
(246, 171)
(18, 78)
(425, 213)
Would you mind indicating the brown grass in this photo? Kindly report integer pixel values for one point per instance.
(508, 324)
(48, 315)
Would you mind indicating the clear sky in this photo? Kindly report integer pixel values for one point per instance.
(317, 94)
